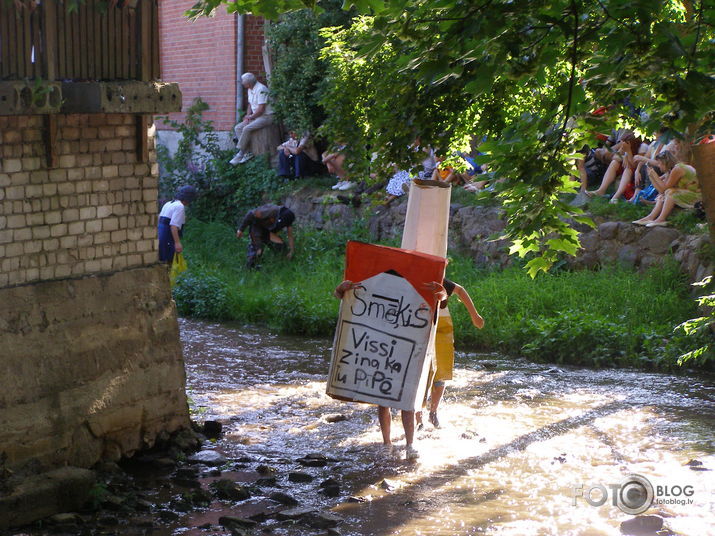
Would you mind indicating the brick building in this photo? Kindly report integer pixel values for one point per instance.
(206, 57)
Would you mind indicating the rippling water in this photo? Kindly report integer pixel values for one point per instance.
(516, 439)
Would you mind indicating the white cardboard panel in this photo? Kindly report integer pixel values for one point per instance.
(381, 342)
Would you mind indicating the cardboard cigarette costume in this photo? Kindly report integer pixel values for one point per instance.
(427, 218)
(385, 327)
(384, 342)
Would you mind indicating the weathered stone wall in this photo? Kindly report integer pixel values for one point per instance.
(91, 368)
(90, 360)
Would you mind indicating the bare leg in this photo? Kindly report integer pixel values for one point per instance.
(666, 209)
(582, 175)
(436, 397)
(653, 213)
(385, 418)
(623, 184)
(608, 177)
(408, 422)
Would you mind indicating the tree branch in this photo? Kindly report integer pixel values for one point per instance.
(618, 21)
(697, 38)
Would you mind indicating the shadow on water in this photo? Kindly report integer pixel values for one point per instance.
(517, 438)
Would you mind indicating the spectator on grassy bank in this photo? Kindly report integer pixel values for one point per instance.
(334, 160)
(259, 115)
(677, 187)
(264, 223)
(621, 162)
(297, 157)
(171, 222)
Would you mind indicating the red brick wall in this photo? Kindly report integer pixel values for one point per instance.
(253, 47)
(200, 56)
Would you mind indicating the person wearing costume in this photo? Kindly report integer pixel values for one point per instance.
(384, 416)
(264, 223)
(171, 221)
(444, 342)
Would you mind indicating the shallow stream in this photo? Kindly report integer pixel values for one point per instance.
(520, 443)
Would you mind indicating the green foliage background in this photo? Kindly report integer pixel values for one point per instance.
(612, 317)
(297, 78)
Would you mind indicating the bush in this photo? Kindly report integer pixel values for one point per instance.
(298, 75)
(201, 296)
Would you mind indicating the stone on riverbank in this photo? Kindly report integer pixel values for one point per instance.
(208, 457)
(46, 494)
(230, 491)
(232, 522)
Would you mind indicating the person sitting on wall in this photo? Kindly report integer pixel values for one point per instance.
(264, 223)
(677, 187)
(171, 221)
(259, 115)
(334, 160)
(297, 157)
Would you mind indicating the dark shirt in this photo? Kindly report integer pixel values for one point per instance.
(270, 217)
(449, 287)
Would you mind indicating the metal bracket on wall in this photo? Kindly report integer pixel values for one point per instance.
(50, 138)
(142, 124)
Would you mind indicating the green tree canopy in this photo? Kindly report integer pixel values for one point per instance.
(524, 73)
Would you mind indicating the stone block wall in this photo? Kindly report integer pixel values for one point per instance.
(90, 359)
(94, 212)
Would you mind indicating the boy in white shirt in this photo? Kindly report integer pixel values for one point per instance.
(171, 219)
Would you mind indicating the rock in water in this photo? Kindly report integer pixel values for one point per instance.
(233, 522)
(387, 485)
(642, 526)
(313, 460)
(207, 457)
(212, 429)
(297, 476)
(229, 490)
(323, 520)
(295, 513)
(283, 498)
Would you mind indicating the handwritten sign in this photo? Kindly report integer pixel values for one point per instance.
(383, 342)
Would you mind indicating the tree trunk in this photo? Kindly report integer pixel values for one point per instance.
(266, 140)
(704, 160)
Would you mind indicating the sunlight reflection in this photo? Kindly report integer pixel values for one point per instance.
(514, 444)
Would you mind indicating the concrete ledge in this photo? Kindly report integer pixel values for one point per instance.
(120, 97)
(26, 98)
(36, 497)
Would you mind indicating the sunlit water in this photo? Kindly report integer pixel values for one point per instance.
(516, 439)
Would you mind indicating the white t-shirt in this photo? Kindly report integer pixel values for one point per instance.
(258, 95)
(175, 211)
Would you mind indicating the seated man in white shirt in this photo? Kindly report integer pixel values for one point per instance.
(259, 115)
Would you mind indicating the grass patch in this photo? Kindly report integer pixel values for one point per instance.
(612, 317)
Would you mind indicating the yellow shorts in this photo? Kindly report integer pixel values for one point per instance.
(444, 348)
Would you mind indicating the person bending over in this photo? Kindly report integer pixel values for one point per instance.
(263, 224)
